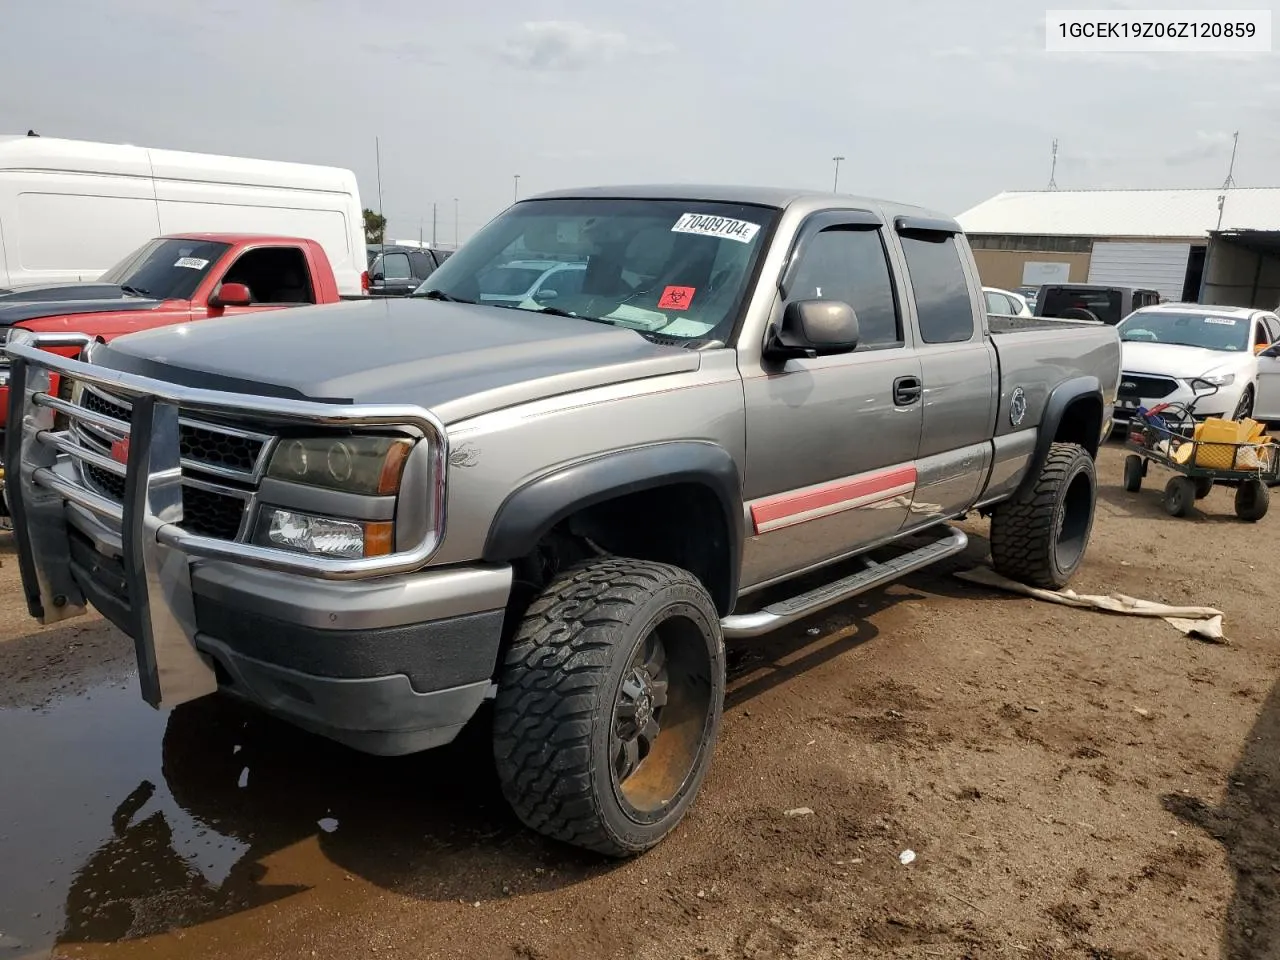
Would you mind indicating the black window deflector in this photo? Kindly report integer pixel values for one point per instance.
(926, 225)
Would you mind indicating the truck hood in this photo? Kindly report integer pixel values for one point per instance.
(60, 291)
(459, 360)
(16, 309)
(1172, 360)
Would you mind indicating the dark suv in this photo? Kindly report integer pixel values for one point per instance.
(397, 271)
(1093, 302)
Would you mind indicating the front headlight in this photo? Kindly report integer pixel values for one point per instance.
(324, 536)
(1201, 384)
(355, 464)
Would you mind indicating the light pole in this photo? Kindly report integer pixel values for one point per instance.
(835, 186)
(455, 223)
(515, 193)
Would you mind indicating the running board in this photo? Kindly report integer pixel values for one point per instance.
(873, 575)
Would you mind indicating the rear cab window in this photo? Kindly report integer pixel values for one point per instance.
(940, 286)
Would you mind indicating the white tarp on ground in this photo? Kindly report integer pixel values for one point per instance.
(1202, 622)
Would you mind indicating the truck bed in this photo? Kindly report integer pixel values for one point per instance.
(999, 323)
(1038, 354)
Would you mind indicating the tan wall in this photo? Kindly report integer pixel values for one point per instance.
(1003, 268)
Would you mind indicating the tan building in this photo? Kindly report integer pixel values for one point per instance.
(1144, 238)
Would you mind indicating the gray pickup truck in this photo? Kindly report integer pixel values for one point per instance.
(380, 520)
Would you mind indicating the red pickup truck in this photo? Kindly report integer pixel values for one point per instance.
(174, 279)
(171, 279)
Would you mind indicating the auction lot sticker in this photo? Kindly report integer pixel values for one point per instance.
(726, 228)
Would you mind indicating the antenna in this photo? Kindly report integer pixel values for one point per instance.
(1231, 180)
(1053, 167)
(377, 152)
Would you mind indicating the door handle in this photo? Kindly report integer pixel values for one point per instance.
(906, 390)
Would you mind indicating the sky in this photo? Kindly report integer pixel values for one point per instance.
(929, 101)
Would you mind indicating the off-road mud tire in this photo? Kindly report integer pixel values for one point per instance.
(1039, 538)
(554, 714)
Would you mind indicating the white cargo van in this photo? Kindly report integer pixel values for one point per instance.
(70, 209)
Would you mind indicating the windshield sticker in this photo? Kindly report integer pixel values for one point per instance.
(726, 228)
(1221, 321)
(192, 263)
(676, 298)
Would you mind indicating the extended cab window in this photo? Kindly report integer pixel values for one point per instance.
(677, 268)
(941, 289)
(851, 266)
(166, 269)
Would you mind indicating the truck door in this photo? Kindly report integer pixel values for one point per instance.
(957, 367)
(1266, 405)
(831, 441)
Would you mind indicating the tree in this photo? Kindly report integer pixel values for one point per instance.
(375, 227)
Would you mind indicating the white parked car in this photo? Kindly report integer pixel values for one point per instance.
(1006, 303)
(1180, 352)
(522, 280)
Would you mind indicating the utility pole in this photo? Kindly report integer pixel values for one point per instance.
(433, 226)
(455, 223)
(515, 193)
(835, 184)
(377, 153)
(1053, 166)
(1231, 180)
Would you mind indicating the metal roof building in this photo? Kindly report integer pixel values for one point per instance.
(1154, 238)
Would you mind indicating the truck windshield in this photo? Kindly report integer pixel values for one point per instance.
(166, 269)
(677, 268)
(1187, 330)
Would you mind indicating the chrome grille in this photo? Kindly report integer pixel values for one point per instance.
(221, 451)
(211, 453)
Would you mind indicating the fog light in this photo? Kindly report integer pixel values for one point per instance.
(318, 535)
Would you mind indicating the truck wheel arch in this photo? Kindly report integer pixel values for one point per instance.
(1073, 413)
(531, 512)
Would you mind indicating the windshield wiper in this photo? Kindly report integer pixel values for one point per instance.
(135, 291)
(440, 295)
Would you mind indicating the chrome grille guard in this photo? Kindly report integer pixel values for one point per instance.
(156, 550)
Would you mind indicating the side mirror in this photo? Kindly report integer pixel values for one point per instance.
(812, 328)
(231, 295)
(1271, 352)
(544, 295)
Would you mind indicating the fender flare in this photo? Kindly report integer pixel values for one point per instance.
(1060, 400)
(532, 510)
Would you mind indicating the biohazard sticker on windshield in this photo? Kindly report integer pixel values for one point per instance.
(192, 263)
(706, 225)
(676, 298)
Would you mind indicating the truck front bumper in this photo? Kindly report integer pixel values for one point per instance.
(375, 652)
(387, 666)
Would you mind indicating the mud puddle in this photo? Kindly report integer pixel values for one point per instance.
(120, 822)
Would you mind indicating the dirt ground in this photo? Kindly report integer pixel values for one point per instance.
(1073, 785)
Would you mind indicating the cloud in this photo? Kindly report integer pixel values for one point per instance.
(570, 45)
